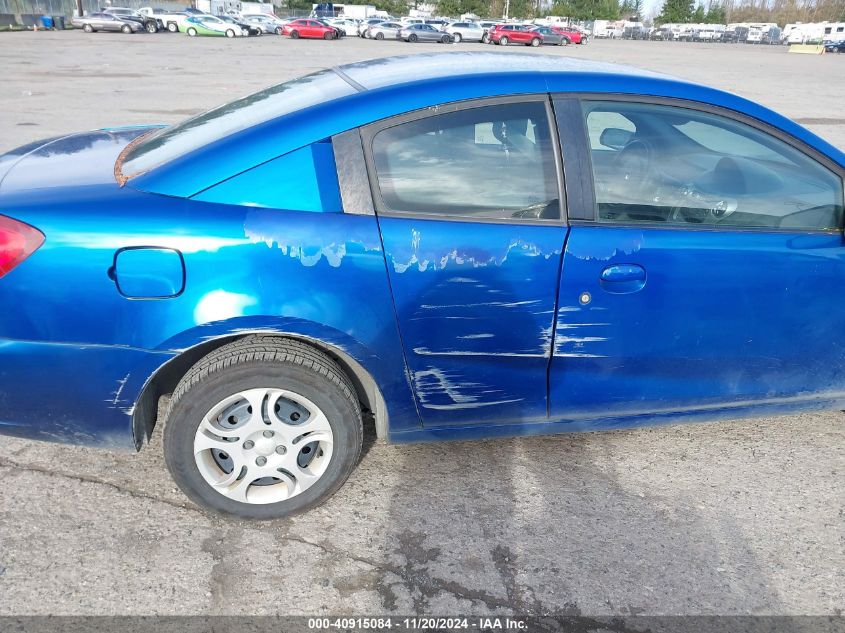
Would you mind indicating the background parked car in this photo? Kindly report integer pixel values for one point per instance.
(308, 28)
(251, 29)
(384, 30)
(835, 47)
(575, 35)
(267, 23)
(486, 26)
(504, 34)
(151, 25)
(552, 37)
(170, 20)
(338, 32)
(363, 26)
(424, 33)
(106, 22)
(470, 31)
(211, 26)
(349, 27)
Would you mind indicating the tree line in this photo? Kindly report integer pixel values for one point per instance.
(672, 11)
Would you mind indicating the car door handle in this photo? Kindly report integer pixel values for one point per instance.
(623, 278)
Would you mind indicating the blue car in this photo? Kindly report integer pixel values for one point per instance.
(442, 246)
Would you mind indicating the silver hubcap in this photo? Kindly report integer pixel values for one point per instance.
(263, 445)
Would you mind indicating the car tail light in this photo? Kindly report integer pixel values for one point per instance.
(17, 242)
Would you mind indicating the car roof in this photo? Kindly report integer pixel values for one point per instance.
(379, 73)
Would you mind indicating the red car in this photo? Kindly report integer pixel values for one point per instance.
(504, 34)
(309, 28)
(575, 36)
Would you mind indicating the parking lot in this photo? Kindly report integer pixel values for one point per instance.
(741, 517)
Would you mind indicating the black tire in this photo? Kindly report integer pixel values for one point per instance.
(294, 35)
(262, 361)
(279, 30)
(445, 39)
(379, 36)
(230, 33)
(192, 32)
(172, 27)
(503, 41)
(535, 41)
(328, 36)
(152, 27)
(88, 28)
(412, 37)
(126, 28)
(457, 37)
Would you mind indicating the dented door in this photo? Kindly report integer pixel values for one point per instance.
(470, 212)
(475, 304)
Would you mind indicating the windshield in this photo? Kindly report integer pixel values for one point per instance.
(170, 143)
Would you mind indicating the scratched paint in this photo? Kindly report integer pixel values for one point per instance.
(307, 241)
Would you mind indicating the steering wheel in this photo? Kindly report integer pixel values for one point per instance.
(634, 164)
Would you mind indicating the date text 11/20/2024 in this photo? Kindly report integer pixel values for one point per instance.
(420, 623)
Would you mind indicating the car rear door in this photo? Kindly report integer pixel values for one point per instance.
(703, 266)
(470, 213)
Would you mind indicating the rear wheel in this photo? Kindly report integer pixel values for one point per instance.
(172, 27)
(328, 36)
(230, 33)
(457, 37)
(152, 27)
(263, 428)
(379, 36)
(485, 39)
(192, 32)
(88, 28)
(294, 35)
(278, 30)
(503, 41)
(126, 28)
(445, 39)
(534, 41)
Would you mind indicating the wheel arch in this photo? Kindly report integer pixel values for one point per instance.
(167, 376)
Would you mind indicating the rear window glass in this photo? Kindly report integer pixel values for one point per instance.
(179, 140)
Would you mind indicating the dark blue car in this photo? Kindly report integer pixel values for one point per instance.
(449, 245)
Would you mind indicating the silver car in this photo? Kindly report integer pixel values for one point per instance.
(265, 23)
(384, 30)
(470, 31)
(424, 33)
(106, 22)
(363, 26)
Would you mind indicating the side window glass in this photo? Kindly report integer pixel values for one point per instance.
(485, 162)
(672, 165)
(303, 180)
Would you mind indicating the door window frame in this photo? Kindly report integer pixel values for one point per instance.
(570, 116)
(369, 132)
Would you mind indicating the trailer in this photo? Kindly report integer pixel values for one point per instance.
(257, 8)
(349, 11)
(219, 7)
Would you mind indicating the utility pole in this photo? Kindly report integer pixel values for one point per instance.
(79, 8)
(504, 16)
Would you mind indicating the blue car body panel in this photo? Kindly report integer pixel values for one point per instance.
(467, 333)
(742, 317)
